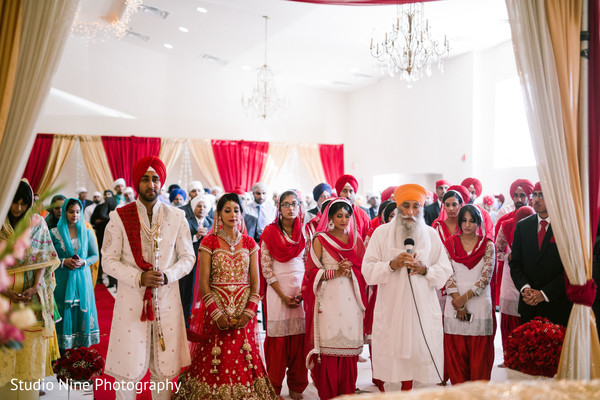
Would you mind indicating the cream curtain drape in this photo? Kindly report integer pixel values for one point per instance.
(10, 37)
(548, 66)
(276, 156)
(309, 153)
(170, 150)
(45, 27)
(96, 161)
(202, 152)
(60, 150)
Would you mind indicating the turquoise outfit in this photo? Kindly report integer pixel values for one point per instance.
(74, 293)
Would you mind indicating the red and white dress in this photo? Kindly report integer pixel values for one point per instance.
(226, 364)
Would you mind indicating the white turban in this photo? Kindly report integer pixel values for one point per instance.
(97, 194)
(118, 182)
(81, 189)
(194, 202)
(195, 185)
(259, 186)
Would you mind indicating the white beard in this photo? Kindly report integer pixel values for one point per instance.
(408, 227)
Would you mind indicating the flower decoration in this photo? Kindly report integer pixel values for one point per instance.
(534, 348)
(82, 364)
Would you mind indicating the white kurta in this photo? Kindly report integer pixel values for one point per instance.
(129, 347)
(400, 352)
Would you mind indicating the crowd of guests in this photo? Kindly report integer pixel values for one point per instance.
(415, 274)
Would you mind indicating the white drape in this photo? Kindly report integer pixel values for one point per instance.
(559, 173)
(46, 25)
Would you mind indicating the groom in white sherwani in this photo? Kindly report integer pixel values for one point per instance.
(128, 254)
(408, 337)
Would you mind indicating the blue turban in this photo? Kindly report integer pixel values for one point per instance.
(319, 189)
(174, 194)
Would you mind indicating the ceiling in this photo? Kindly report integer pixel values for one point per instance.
(317, 45)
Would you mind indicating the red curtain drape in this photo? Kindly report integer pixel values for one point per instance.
(240, 163)
(361, 2)
(123, 152)
(594, 114)
(38, 158)
(332, 158)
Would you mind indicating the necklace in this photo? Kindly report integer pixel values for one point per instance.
(468, 244)
(232, 243)
(152, 233)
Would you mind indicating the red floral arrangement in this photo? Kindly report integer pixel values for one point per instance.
(82, 364)
(534, 347)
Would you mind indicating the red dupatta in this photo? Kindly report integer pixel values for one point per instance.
(281, 247)
(457, 252)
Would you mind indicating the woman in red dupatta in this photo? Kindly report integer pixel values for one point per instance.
(469, 320)
(282, 260)
(334, 293)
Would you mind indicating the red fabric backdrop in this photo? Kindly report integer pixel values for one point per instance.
(38, 158)
(361, 2)
(594, 114)
(240, 163)
(123, 152)
(332, 158)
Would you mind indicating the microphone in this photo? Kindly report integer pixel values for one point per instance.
(409, 243)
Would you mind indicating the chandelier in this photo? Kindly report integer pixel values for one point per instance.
(409, 49)
(264, 101)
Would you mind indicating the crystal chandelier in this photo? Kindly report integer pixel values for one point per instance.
(264, 102)
(409, 48)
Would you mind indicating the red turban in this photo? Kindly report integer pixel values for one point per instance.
(463, 191)
(500, 197)
(441, 182)
(410, 192)
(343, 180)
(476, 183)
(143, 165)
(537, 187)
(488, 200)
(387, 193)
(523, 212)
(525, 184)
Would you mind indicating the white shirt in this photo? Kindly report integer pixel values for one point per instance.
(267, 210)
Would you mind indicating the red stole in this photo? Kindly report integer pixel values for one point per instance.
(457, 252)
(131, 222)
(280, 247)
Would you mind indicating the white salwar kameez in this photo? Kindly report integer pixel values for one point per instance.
(400, 352)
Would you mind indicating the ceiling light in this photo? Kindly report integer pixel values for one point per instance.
(168, 45)
(202, 10)
(156, 12)
(183, 29)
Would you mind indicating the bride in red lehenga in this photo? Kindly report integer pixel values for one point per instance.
(226, 362)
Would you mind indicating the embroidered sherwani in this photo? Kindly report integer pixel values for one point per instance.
(132, 340)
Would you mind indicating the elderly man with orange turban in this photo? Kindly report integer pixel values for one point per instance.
(346, 187)
(407, 260)
(128, 254)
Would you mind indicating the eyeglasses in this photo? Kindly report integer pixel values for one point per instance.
(288, 205)
(538, 195)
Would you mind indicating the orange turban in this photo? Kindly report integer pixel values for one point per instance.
(341, 182)
(525, 184)
(143, 165)
(410, 192)
(476, 183)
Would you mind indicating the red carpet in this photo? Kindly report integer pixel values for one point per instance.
(105, 303)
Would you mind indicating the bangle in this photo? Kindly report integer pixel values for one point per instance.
(140, 283)
(462, 308)
(329, 274)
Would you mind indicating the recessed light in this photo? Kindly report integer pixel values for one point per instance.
(246, 67)
(183, 29)
(168, 45)
(202, 10)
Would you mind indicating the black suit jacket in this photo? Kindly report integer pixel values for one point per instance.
(431, 212)
(252, 227)
(189, 213)
(193, 223)
(542, 269)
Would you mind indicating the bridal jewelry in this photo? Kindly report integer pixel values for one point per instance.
(246, 347)
(216, 352)
(471, 243)
(228, 240)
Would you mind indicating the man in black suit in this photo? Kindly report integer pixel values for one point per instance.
(99, 220)
(199, 226)
(432, 211)
(374, 201)
(536, 267)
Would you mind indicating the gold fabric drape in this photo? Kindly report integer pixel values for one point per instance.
(312, 160)
(546, 42)
(10, 37)
(45, 27)
(170, 150)
(277, 155)
(202, 151)
(96, 161)
(60, 150)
